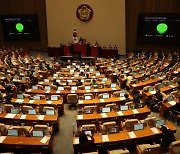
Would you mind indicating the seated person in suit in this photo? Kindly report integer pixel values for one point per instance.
(94, 82)
(86, 144)
(79, 83)
(127, 98)
(167, 137)
(136, 97)
(55, 83)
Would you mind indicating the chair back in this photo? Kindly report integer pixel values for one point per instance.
(90, 109)
(72, 98)
(174, 147)
(151, 122)
(107, 125)
(129, 124)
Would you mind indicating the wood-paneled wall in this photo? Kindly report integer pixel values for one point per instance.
(133, 8)
(9, 7)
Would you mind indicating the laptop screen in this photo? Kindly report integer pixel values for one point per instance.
(55, 75)
(170, 98)
(151, 88)
(161, 86)
(104, 79)
(38, 133)
(88, 111)
(87, 132)
(138, 126)
(12, 132)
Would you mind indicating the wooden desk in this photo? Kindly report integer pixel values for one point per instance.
(140, 85)
(25, 144)
(119, 116)
(101, 102)
(56, 104)
(165, 107)
(123, 138)
(65, 92)
(9, 118)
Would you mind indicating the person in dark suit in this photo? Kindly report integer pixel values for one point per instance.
(167, 137)
(86, 144)
(79, 83)
(55, 83)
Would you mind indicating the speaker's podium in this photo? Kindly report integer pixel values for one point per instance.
(79, 49)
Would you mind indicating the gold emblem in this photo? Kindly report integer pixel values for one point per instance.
(84, 12)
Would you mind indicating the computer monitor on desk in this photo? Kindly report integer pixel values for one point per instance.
(47, 88)
(105, 96)
(87, 87)
(19, 96)
(35, 87)
(113, 129)
(170, 98)
(160, 122)
(124, 107)
(87, 132)
(54, 98)
(73, 88)
(113, 85)
(106, 109)
(38, 133)
(36, 97)
(13, 132)
(32, 111)
(122, 94)
(87, 97)
(14, 111)
(138, 127)
(50, 112)
(60, 88)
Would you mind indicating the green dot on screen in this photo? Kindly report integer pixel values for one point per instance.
(162, 28)
(19, 27)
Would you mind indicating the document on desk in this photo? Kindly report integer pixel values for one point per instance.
(49, 102)
(131, 134)
(95, 90)
(76, 141)
(172, 103)
(172, 86)
(29, 90)
(31, 102)
(58, 91)
(154, 130)
(101, 100)
(153, 92)
(81, 102)
(134, 85)
(23, 116)
(2, 138)
(45, 139)
(104, 115)
(120, 113)
(80, 116)
(41, 117)
(10, 115)
(135, 111)
(122, 98)
(88, 91)
(72, 91)
(113, 88)
(105, 138)
(40, 82)
(19, 100)
(47, 91)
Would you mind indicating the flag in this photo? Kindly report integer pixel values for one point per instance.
(75, 38)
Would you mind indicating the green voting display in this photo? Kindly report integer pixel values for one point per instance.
(19, 27)
(162, 28)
